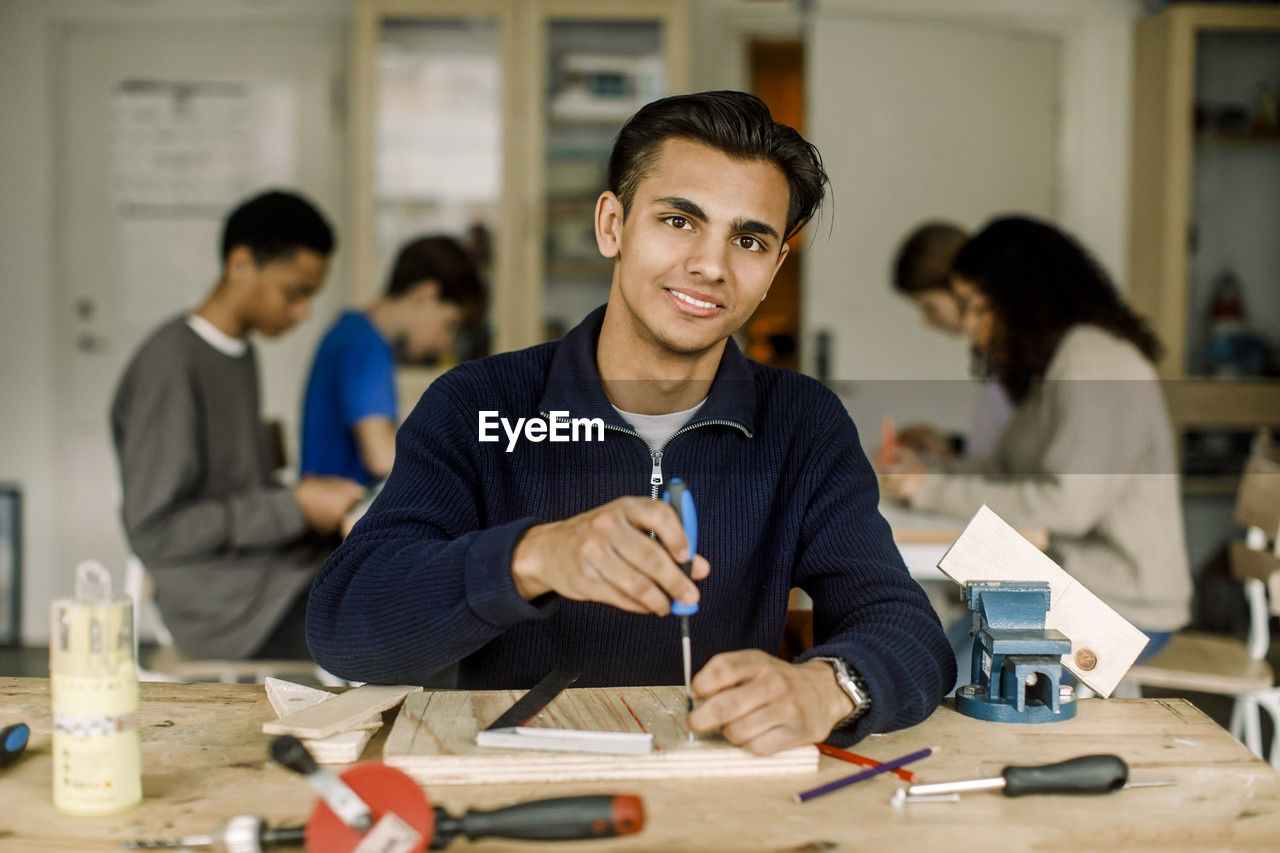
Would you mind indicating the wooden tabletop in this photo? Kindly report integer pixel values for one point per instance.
(204, 760)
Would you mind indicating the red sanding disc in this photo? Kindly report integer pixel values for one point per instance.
(384, 789)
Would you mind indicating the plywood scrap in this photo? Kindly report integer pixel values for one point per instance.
(288, 696)
(1103, 643)
(341, 713)
(343, 748)
(433, 740)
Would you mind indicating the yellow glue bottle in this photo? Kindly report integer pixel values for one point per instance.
(97, 765)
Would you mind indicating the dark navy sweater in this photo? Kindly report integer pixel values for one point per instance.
(784, 494)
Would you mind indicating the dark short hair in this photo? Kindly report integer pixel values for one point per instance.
(442, 260)
(736, 123)
(1040, 281)
(275, 225)
(923, 262)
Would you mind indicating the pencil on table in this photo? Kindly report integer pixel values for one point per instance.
(854, 758)
(886, 767)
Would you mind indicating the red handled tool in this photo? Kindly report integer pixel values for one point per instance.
(387, 791)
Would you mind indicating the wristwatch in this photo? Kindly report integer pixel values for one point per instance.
(853, 687)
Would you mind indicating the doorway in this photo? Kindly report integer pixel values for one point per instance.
(776, 67)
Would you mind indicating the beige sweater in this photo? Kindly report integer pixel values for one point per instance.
(1089, 456)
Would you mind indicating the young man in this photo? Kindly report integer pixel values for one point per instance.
(350, 410)
(922, 274)
(514, 557)
(922, 270)
(231, 552)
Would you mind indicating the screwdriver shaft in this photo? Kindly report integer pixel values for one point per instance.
(995, 783)
(205, 840)
(686, 649)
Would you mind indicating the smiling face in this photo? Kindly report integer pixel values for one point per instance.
(694, 255)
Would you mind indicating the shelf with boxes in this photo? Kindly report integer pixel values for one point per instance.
(1205, 208)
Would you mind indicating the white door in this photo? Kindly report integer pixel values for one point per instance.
(917, 120)
(126, 259)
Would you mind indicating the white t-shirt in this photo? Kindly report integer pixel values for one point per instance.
(216, 338)
(657, 430)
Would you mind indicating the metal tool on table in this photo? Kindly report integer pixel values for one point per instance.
(404, 819)
(1088, 774)
(681, 499)
(1017, 668)
(242, 834)
(510, 731)
(534, 700)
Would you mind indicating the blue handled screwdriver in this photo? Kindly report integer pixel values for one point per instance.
(13, 740)
(681, 499)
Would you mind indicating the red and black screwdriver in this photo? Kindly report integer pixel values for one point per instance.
(559, 819)
(382, 790)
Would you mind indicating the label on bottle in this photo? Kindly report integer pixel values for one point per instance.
(96, 756)
(93, 684)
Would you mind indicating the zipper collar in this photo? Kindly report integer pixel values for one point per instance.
(574, 386)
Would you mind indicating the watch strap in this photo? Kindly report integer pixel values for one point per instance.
(853, 686)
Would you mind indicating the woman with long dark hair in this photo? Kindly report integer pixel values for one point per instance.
(1088, 454)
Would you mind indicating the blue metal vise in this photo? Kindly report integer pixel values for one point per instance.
(1017, 667)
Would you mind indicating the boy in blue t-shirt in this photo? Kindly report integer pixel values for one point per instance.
(350, 409)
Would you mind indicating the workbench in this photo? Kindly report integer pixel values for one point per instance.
(204, 759)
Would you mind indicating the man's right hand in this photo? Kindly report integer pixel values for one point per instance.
(325, 500)
(607, 555)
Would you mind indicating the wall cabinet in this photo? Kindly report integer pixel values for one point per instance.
(491, 121)
(1205, 209)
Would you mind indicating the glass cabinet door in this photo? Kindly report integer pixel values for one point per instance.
(491, 121)
(435, 147)
(599, 63)
(598, 74)
(1233, 304)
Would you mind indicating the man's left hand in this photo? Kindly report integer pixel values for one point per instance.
(764, 704)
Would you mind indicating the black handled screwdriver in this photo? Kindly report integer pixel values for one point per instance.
(1088, 774)
(558, 819)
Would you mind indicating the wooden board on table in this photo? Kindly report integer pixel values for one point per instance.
(1101, 639)
(287, 697)
(344, 712)
(433, 740)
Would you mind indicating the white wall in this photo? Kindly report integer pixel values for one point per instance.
(29, 252)
(26, 290)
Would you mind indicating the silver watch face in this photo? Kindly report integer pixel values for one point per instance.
(851, 687)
